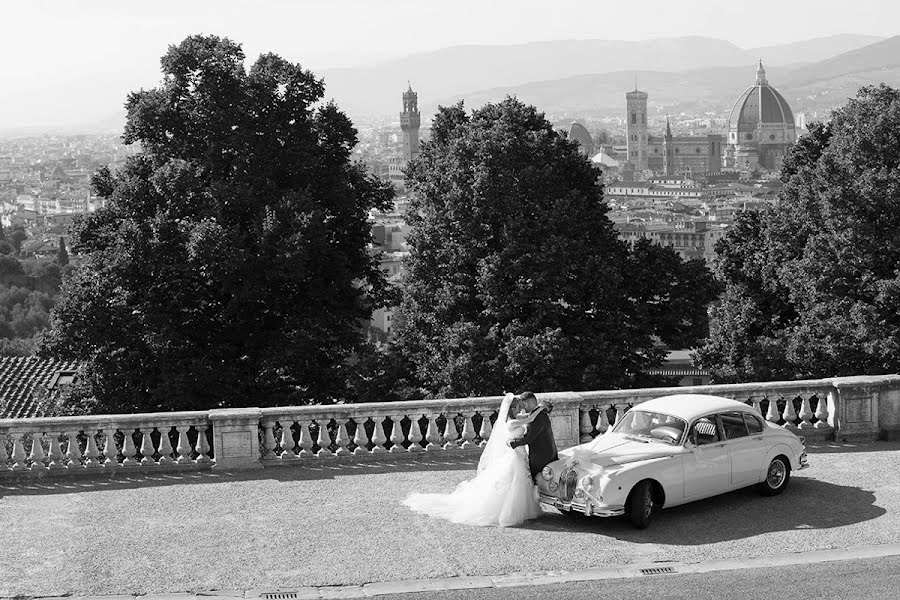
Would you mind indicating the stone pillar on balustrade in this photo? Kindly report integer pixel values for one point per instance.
(565, 417)
(865, 407)
(236, 438)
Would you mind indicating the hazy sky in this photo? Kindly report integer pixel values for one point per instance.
(61, 59)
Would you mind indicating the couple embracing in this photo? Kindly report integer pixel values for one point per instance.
(503, 491)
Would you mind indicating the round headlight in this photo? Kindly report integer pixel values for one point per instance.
(554, 486)
(587, 483)
(579, 493)
(547, 473)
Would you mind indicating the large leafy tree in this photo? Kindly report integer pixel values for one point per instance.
(230, 266)
(516, 278)
(812, 286)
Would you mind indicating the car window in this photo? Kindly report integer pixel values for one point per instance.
(733, 425)
(651, 426)
(754, 424)
(705, 431)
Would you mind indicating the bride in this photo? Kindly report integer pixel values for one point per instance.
(502, 491)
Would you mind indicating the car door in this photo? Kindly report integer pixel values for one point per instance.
(707, 467)
(745, 451)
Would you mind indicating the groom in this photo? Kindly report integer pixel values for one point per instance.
(538, 433)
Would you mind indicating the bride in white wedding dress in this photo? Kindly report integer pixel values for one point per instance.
(501, 493)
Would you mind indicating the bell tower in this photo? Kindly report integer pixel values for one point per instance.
(409, 124)
(668, 151)
(636, 128)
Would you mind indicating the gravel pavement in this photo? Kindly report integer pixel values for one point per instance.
(335, 524)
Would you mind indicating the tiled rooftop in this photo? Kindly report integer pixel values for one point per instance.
(22, 378)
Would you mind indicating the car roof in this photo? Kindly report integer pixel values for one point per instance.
(692, 406)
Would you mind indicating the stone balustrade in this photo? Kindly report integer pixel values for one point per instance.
(847, 408)
(108, 443)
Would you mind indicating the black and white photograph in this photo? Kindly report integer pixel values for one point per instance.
(469, 300)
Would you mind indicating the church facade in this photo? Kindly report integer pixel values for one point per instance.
(759, 132)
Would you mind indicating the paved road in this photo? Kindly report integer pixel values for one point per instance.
(869, 579)
(338, 524)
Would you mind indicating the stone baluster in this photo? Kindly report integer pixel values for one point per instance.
(147, 449)
(91, 452)
(432, 434)
(620, 411)
(37, 453)
(110, 452)
(772, 415)
(789, 414)
(821, 412)
(806, 413)
(602, 419)
(341, 439)
(73, 452)
(485, 431)
(54, 453)
(450, 433)
(415, 434)
(397, 436)
(323, 440)
(306, 442)
(202, 446)
(361, 438)
(184, 446)
(378, 437)
(468, 432)
(287, 439)
(128, 449)
(585, 427)
(269, 440)
(757, 405)
(165, 447)
(18, 453)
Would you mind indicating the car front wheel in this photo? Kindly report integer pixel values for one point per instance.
(777, 477)
(640, 505)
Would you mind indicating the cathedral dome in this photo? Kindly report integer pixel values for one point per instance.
(760, 104)
(580, 134)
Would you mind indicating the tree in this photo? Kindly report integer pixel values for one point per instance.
(62, 255)
(231, 266)
(812, 285)
(516, 278)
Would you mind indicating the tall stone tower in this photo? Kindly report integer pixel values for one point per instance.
(636, 128)
(409, 123)
(668, 151)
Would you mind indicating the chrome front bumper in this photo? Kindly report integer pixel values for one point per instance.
(586, 507)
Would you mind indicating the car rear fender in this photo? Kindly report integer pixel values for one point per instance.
(776, 450)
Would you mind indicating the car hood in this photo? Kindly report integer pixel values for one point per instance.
(613, 449)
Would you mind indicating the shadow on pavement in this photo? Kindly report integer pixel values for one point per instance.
(807, 504)
(296, 471)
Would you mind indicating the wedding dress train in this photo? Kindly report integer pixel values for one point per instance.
(501, 493)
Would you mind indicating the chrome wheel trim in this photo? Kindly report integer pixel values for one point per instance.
(648, 505)
(776, 475)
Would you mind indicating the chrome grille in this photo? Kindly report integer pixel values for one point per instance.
(567, 485)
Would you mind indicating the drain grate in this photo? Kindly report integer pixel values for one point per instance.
(657, 570)
(279, 596)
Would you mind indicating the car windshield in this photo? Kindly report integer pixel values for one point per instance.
(651, 426)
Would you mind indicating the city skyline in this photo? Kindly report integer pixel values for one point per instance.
(68, 63)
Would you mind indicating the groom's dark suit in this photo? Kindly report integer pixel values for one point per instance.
(539, 438)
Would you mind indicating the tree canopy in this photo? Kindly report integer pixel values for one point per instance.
(516, 278)
(812, 285)
(231, 265)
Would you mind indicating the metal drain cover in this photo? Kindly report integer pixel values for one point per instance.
(657, 570)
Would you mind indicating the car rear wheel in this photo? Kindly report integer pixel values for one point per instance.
(777, 477)
(640, 505)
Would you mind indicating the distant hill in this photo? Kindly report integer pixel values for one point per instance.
(456, 71)
(809, 88)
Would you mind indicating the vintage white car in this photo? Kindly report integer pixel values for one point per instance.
(670, 451)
